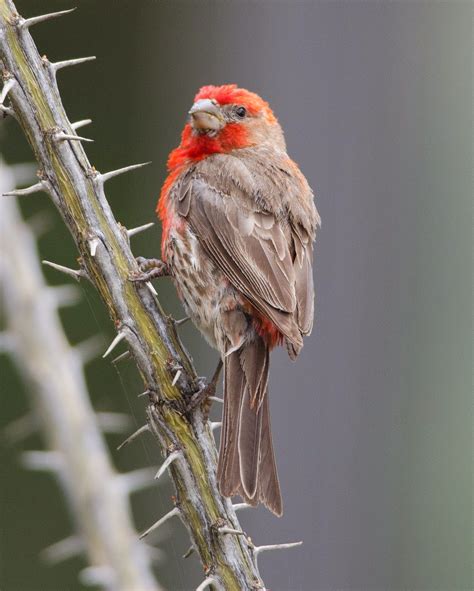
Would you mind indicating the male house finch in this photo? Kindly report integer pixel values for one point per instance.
(238, 226)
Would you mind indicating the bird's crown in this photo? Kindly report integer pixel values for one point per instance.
(231, 94)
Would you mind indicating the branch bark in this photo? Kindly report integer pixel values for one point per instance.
(77, 190)
(97, 495)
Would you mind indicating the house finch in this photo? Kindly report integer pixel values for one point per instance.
(238, 226)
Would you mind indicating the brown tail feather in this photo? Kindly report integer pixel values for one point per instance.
(246, 461)
(250, 436)
(269, 487)
(228, 473)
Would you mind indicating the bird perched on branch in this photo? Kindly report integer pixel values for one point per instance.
(239, 223)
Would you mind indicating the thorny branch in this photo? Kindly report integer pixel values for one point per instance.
(97, 495)
(77, 190)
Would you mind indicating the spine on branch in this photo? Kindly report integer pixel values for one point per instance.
(77, 190)
(97, 495)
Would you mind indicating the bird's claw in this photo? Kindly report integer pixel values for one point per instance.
(149, 269)
(201, 397)
(206, 390)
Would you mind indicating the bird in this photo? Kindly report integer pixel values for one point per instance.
(238, 225)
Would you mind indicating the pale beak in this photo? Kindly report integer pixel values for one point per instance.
(206, 115)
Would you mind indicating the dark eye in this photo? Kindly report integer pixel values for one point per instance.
(241, 112)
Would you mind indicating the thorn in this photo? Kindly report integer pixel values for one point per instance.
(188, 552)
(169, 460)
(89, 349)
(29, 22)
(216, 399)
(230, 530)
(133, 436)
(8, 111)
(20, 429)
(100, 576)
(259, 549)
(78, 124)
(176, 377)
(215, 425)
(63, 550)
(106, 176)
(41, 186)
(7, 86)
(151, 288)
(62, 137)
(93, 244)
(74, 62)
(206, 583)
(122, 357)
(136, 480)
(119, 337)
(241, 506)
(77, 274)
(65, 295)
(137, 230)
(113, 422)
(47, 461)
(144, 393)
(160, 522)
(182, 320)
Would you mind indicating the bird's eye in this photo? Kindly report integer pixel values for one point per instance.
(241, 112)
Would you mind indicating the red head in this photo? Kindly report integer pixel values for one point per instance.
(222, 119)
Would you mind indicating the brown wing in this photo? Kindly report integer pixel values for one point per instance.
(303, 265)
(262, 257)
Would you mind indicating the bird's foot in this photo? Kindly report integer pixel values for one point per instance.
(149, 269)
(202, 396)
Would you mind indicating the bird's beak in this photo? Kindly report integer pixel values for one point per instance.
(206, 115)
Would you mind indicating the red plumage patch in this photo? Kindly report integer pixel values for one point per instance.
(230, 94)
(263, 326)
(267, 330)
(196, 147)
(162, 208)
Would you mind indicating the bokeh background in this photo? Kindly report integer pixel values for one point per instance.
(373, 424)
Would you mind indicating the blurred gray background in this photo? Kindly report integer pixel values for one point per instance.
(373, 423)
